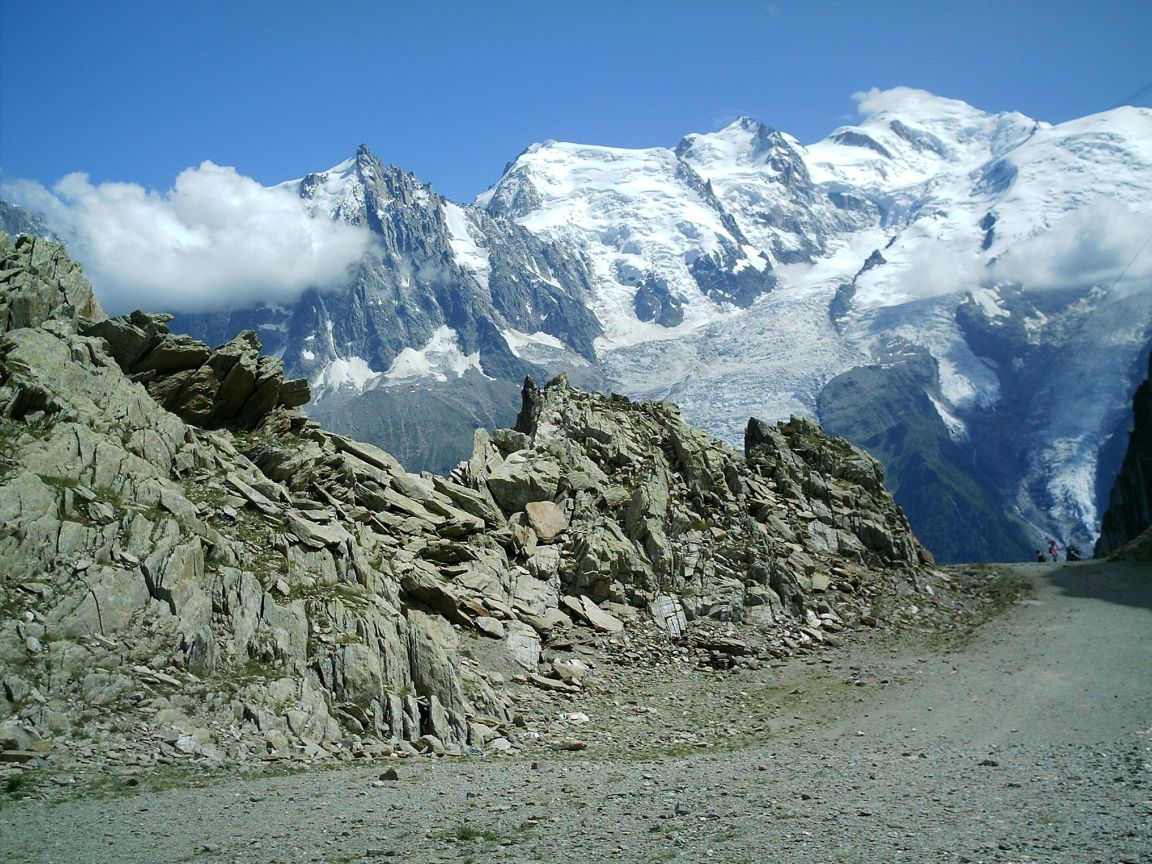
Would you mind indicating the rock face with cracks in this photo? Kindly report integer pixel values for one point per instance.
(190, 569)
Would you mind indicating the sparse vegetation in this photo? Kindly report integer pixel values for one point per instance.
(466, 833)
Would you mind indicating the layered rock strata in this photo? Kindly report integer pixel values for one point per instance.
(230, 386)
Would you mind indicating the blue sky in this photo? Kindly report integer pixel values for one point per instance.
(137, 92)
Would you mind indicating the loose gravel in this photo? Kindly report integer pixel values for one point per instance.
(1029, 740)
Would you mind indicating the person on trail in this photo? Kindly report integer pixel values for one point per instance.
(1040, 559)
(1053, 551)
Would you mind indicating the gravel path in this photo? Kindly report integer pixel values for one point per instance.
(1030, 741)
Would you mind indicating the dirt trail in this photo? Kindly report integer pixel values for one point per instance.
(1071, 664)
(1030, 741)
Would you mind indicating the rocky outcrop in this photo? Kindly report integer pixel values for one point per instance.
(39, 282)
(655, 508)
(1126, 528)
(190, 569)
(158, 586)
(230, 386)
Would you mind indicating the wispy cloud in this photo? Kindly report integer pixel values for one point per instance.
(904, 99)
(936, 269)
(724, 117)
(217, 239)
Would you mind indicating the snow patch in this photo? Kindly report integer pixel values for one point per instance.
(440, 358)
(989, 302)
(336, 193)
(469, 254)
(518, 341)
(351, 373)
(957, 428)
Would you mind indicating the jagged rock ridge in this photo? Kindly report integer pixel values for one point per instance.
(450, 305)
(265, 588)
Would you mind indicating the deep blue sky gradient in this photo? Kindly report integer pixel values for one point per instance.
(138, 91)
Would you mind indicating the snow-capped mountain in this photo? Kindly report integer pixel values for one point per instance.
(973, 260)
(447, 295)
(969, 295)
(444, 289)
(667, 257)
(439, 289)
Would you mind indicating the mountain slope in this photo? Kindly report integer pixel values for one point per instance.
(1129, 514)
(447, 294)
(989, 273)
(16, 220)
(991, 243)
(667, 257)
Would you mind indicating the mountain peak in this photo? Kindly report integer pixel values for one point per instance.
(744, 141)
(748, 124)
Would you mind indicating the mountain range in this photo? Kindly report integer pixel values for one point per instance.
(960, 292)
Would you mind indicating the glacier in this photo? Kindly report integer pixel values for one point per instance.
(1024, 225)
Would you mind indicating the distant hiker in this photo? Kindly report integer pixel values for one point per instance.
(1053, 551)
(1072, 554)
(1040, 559)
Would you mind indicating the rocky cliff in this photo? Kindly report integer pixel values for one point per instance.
(190, 569)
(1127, 526)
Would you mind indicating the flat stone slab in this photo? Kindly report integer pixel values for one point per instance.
(490, 626)
(601, 620)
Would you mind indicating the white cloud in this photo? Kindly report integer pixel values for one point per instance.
(217, 239)
(907, 100)
(1090, 246)
(928, 267)
(936, 269)
(875, 100)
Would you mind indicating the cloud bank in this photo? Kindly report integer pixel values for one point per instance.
(217, 239)
(1090, 246)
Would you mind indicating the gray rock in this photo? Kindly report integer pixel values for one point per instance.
(546, 519)
(523, 644)
(489, 626)
(521, 479)
(668, 613)
(299, 588)
(600, 619)
(39, 283)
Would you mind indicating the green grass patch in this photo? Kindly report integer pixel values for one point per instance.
(466, 833)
